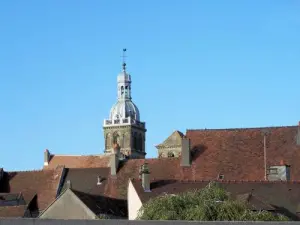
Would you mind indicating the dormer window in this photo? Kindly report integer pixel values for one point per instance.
(281, 172)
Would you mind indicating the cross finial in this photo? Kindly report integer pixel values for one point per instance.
(124, 56)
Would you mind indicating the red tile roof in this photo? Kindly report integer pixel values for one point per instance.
(239, 153)
(88, 161)
(43, 183)
(12, 211)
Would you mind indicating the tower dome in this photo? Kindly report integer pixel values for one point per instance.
(124, 109)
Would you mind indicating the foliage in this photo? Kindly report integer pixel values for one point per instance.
(102, 217)
(209, 204)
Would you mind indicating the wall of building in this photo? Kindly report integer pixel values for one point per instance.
(68, 206)
(126, 222)
(134, 202)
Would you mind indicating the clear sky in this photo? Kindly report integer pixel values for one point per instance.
(194, 64)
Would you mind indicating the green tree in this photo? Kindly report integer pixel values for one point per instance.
(211, 203)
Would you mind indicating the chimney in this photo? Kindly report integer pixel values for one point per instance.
(298, 135)
(185, 152)
(145, 175)
(69, 185)
(282, 163)
(46, 157)
(114, 160)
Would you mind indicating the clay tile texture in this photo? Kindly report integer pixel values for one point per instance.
(88, 161)
(42, 184)
(238, 154)
(12, 211)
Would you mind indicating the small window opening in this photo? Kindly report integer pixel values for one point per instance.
(171, 154)
(221, 176)
(272, 171)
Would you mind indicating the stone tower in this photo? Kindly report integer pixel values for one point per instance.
(124, 126)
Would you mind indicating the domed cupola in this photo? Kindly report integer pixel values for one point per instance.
(124, 108)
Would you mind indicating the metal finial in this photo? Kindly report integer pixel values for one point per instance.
(124, 56)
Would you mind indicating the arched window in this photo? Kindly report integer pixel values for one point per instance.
(140, 142)
(135, 141)
(122, 90)
(108, 141)
(116, 138)
(170, 154)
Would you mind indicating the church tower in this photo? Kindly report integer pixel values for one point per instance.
(124, 126)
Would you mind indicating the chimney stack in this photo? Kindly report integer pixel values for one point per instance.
(46, 157)
(298, 135)
(114, 160)
(185, 152)
(145, 175)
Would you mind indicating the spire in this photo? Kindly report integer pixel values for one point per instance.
(124, 56)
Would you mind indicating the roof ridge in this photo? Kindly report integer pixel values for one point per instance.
(240, 128)
(102, 155)
(25, 171)
(223, 181)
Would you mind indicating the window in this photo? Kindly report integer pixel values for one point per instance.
(221, 176)
(272, 171)
(135, 142)
(170, 154)
(116, 139)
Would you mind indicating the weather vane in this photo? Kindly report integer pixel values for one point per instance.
(124, 56)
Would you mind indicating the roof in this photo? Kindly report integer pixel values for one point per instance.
(235, 153)
(255, 202)
(266, 195)
(85, 180)
(43, 183)
(84, 185)
(83, 161)
(7, 199)
(173, 140)
(12, 211)
(103, 205)
(239, 153)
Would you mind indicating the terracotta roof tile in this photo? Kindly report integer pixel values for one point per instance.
(235, 153)
(88, 161)
(12, 211)
(239, 153)
(43, 183)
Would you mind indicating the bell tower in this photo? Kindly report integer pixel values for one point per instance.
(124, 126)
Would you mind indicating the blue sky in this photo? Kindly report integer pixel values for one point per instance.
(194, 64)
